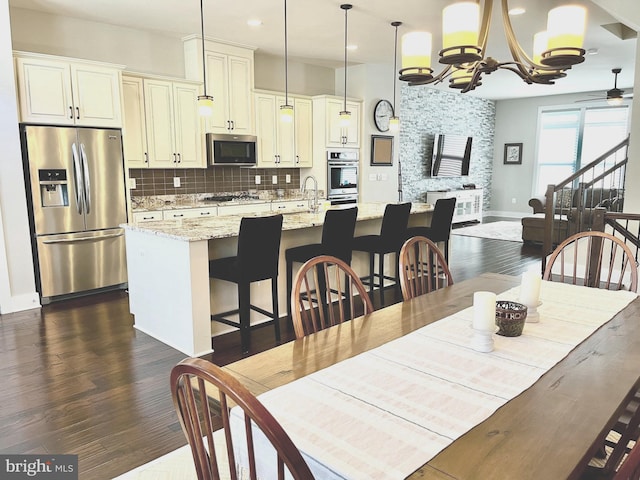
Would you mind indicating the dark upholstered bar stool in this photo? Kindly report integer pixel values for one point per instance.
(390, 240)
(257, 259)
(337, 240)
(440, 228)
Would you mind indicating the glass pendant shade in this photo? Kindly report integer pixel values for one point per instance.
(394, 124)
(565, 31)
(286, 113)
(344, 119)
(416, 50)
(205, 105)
(614, 102)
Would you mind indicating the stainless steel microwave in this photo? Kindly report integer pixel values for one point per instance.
(229, 149)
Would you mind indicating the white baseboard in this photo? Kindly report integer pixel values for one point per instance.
(19, 303)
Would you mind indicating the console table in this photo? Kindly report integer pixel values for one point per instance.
(468, 203)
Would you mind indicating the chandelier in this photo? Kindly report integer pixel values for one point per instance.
(464, 40)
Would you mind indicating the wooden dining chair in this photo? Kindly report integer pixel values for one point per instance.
(423, 268)
(324, 294)
(593, 259)
(192, 382)
(630, 468)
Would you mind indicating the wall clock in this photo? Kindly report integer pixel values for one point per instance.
(382, 113)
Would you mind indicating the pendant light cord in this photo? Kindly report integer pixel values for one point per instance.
(286, 58)
(395, 64)
(204, 63)
(345, 58)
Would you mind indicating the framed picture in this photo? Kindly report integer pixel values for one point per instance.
(512, 153)
(381, 150)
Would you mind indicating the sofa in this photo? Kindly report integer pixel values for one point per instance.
(567, 220)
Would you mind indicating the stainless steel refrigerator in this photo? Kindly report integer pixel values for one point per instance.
(76, 193)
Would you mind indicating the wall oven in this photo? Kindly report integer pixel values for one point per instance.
(342, 176)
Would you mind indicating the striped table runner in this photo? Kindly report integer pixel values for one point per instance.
(384, 413)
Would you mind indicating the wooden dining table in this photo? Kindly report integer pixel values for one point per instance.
(550, 431)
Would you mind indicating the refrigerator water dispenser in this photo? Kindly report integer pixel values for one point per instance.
(53, 188)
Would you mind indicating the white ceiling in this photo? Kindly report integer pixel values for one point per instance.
(316, 32)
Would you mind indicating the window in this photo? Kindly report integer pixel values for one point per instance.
(570, 138)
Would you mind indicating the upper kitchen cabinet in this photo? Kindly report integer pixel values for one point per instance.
(161, 123)
(326, 120)
(229, 81)
(63, 91)
(283, 144)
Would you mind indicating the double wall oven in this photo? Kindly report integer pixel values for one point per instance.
(342, 176)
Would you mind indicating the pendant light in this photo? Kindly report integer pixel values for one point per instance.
(205, 102)
(345, 115)
(394, 121)
(286, 110)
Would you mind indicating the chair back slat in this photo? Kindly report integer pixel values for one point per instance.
(326, 291)
(423, 268)
(195, 415)
(594, 259)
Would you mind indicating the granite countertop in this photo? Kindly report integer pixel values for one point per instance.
(197, 229)
(176, 202)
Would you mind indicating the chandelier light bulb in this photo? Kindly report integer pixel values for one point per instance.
(460, 27)
(565, 29)
(416, 50)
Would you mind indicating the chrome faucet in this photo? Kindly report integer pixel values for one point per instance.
(313, 207)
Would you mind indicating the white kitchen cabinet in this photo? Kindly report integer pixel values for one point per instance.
(244, 209)
(289, 206)
(468, 203)
(161, 124)
(197, 212)
(150, 216)
(303, 131)
(61, 91)
(283, 144)
(229, 73)
(335, 135)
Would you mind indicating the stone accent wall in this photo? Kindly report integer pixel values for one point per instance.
(424, 113)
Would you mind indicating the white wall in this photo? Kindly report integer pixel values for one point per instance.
(632, 195)
(371, 83)
(17, 286)
(138, 50)
(516, 122)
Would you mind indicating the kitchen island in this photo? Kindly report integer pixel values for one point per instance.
(170, 293)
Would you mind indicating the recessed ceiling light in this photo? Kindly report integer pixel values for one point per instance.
(352, 47)
(592, 51)
(254, 22)
(517, 11)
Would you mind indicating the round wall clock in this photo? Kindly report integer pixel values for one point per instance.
(382, 113)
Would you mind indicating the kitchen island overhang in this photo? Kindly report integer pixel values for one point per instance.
(170, 294)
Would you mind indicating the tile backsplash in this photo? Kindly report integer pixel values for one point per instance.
(211, 180)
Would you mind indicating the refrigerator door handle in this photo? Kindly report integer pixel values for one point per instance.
(87, 179)
(83, 239)
(77, 173)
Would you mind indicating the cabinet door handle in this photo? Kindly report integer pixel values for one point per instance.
(179, 158)
(177, 215)
(228, 124)
(146, 157)
(70, 112)
(148, 218)
(205, 213)
(297, 158)
(78, 112)
(175, 159)
(233, 124)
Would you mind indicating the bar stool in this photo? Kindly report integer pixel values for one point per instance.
(257, 259)
(337, 238)
(440, 228)
(390, 240)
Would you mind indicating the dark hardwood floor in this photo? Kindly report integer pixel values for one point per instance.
(77, 378)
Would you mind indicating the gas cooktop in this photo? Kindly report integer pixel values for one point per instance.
(231, 198)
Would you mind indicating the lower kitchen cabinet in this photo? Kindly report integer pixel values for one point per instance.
(177, 214)
(141, 217)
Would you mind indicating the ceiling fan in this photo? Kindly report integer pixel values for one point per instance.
(613, 96)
